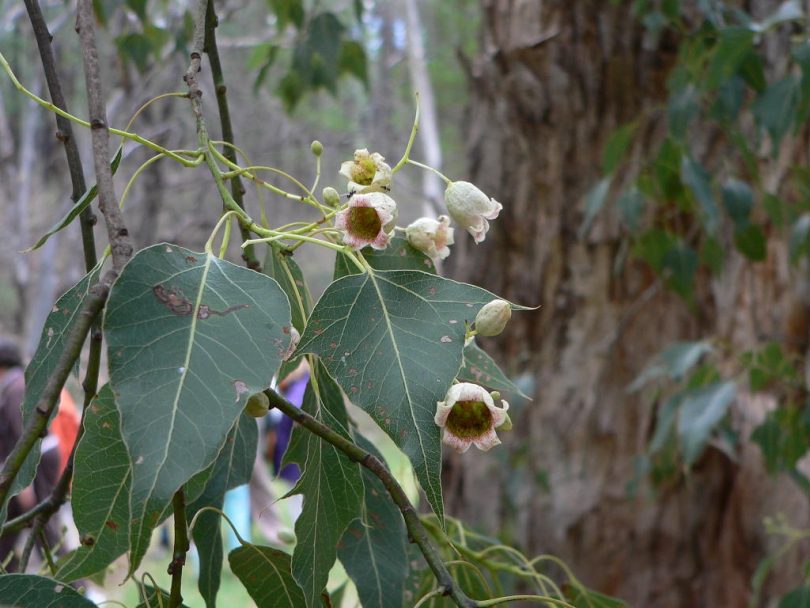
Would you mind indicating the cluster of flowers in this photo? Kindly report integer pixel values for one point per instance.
(468, 415)
(371, 214)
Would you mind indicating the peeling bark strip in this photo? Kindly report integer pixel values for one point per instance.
(554, 79)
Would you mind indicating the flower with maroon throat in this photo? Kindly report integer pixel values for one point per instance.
(469, 416)
(367, 172)
(368, 220)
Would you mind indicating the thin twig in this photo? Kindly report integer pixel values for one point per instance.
(29, 544)
(87, 221)
(416, 529)
(65, 129)
(120, 241)
(237, 188)
(181, 546)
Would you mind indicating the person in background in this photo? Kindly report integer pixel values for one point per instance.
(12, 392)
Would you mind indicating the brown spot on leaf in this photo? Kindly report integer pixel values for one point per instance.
(285, 330)
(111, 524)
(191, 259)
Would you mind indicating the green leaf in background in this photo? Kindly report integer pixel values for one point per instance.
(797, 598)
(190, 337)
(751, 242)
(680, 265)
(784, 437)
(57, 326)
(100, 494)
(594, 201)
(617, 146)
(733, 46)
(799, 242)
(738, 200)
(330, 484)
(393, 341)
(288, 12)
(630, 205)
(729, 100)
(80, 205)
(480, 368)
(399, 255)
(682, 108)
(775, 109)
(30, 591)
(700, 412)
(352, 60)
(232, 468)
(373, 549)
(698, 180)
(673, 362)
(266, 574)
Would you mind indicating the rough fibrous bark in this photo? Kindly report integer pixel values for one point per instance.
(553, 81)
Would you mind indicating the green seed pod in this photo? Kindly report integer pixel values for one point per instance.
(258, 405)
(316, 147)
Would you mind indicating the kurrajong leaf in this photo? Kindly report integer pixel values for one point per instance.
(80, 205)
(480, 368)
(232, 468)
(30, 591)
(399, 255)
(154, 597)
(57, 326)
(265, 573)
(393, 340)
(100, 495)
(700, 412)
(190, 337)
(330, 484)
(373, 549)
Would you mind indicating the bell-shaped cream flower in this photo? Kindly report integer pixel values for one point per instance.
(368, 220)
(471, 208)
(367, 172)
(431, 237)
(469, 416)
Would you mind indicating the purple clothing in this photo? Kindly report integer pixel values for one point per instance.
(294, 393)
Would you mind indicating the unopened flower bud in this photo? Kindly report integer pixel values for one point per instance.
(493, 317)
(331, 197)
(316, 147)
(258, 405)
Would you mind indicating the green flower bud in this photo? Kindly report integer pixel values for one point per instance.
(316, 147)
(258, 405)
(331, 197)
(493, 317)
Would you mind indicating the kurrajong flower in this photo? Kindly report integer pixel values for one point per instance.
(431, 237)
(367, 172)
(368, 220)
(471, 208)
(469, 416)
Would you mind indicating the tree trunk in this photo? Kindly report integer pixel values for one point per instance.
(555, 79)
